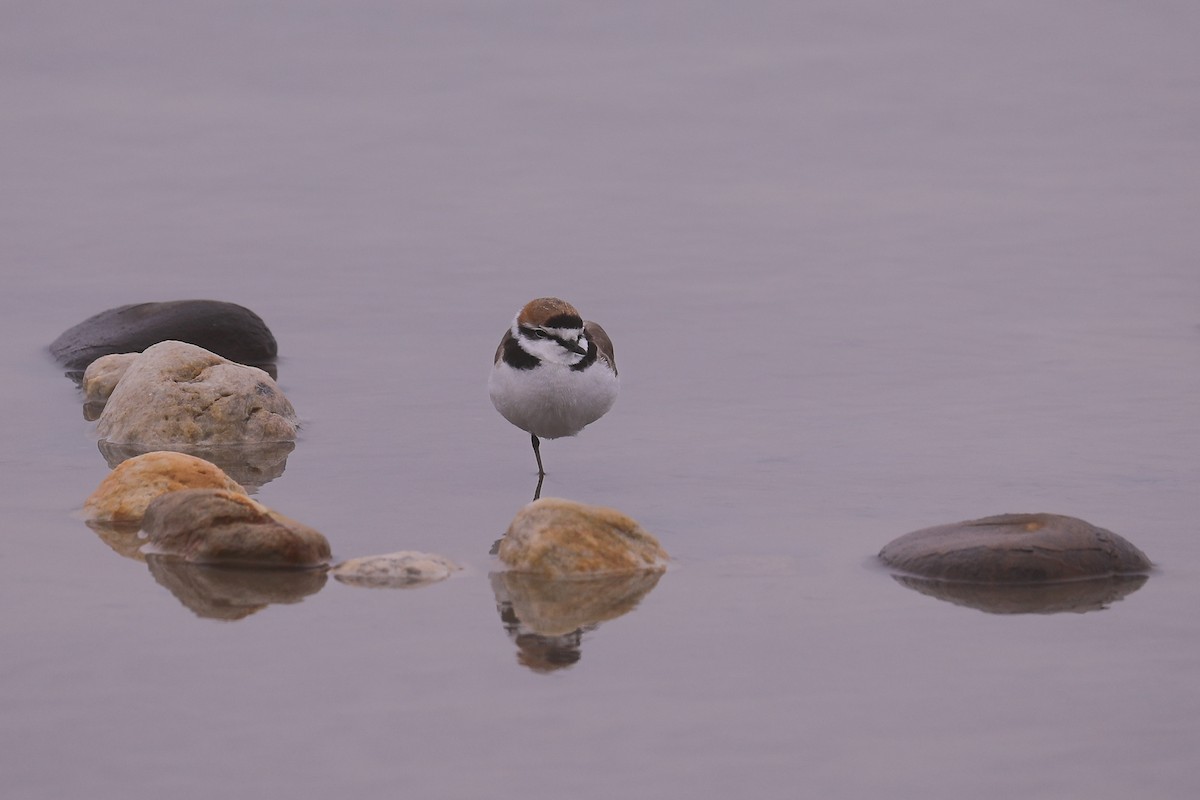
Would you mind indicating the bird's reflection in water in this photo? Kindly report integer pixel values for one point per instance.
(232, 593)
(1076, 597)
(538, 652)
(547, 617)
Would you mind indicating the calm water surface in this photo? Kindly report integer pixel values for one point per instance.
(867, 269)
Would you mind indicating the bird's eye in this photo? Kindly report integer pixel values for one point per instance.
(540, 334)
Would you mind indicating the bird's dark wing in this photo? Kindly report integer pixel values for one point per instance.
(604, 345)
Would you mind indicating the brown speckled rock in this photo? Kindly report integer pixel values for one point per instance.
(122, 497)
(179, 394)
(216, 526)
(1014, 548)
(402, 570)
(561, 538)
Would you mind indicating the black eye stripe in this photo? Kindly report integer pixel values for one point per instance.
(537, 333)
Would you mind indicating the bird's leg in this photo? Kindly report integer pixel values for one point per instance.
(537, 492)
(537, 452)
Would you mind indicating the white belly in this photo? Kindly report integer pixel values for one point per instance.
(551, 400)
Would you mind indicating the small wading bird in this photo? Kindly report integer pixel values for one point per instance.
(554, 373)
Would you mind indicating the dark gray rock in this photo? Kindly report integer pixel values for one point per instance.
(1014, 548)
(227, 329)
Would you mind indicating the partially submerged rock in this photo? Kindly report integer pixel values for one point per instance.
(252, 464)
(405, 569)
(1014, 548)
(227, 329)
(122, 497)
(180, 394)
(217, 526)
(99, 380)
(561, 538)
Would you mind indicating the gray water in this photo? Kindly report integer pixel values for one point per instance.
(868, 267)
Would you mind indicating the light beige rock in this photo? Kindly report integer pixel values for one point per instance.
(404, 569)
(217, 526)
(561, 538)
(102, 375)
(122, 497)
(180, 394)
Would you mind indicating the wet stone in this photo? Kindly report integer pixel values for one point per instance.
(1014, 548)
(124, 494)
(405, 569)
(251, 464)
(99, 380)
(227, 329)
(562, 538)
(216, 526)
(179, 394)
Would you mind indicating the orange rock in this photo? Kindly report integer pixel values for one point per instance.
(562, 538)
(123, 496)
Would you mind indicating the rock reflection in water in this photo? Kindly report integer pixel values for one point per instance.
(547, 617)
(125, 540)
(251, 465)
(1081, 596)
(229, 593)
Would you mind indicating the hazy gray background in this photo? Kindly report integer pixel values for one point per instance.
(868, 267)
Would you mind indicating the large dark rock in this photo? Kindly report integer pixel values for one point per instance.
(1014, 548)
(227, 329)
